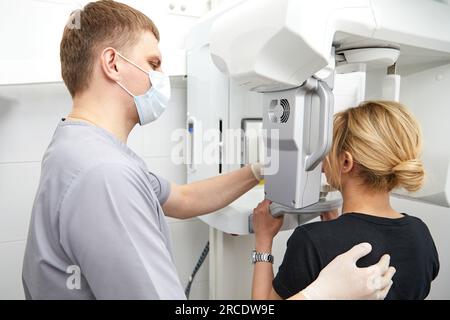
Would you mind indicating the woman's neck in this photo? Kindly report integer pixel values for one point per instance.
(360, 199)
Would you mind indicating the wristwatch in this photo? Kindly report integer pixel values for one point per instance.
(261, 257)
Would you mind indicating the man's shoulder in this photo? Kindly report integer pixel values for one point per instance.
(83, 143)
(74, 149)
(86, 159)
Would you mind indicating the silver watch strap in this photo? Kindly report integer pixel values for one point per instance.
(262, 257)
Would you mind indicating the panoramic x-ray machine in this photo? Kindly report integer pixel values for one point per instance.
(269, 67)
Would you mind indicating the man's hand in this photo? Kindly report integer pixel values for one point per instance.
(342, 279)
(257, 170)
(265, 225)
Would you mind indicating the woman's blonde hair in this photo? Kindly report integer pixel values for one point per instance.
(385, 141)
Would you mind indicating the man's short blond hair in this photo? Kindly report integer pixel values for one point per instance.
(101, 24)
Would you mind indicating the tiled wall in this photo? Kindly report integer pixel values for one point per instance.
(28, 117)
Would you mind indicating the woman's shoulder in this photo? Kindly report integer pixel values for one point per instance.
(318, 226)
(414, 219)
(319, 229)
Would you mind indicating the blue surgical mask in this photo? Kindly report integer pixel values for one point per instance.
(154, 102)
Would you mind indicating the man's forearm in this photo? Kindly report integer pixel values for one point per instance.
(212, 194)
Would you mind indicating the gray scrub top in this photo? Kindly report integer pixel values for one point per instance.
(97, 229)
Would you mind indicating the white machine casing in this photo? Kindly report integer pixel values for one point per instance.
(237, 66)
(246, 54)
(286, 42)
(267, 45)
(296, 142)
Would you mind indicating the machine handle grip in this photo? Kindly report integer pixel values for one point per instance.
(326, 123)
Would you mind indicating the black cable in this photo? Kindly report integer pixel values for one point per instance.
(200, 261)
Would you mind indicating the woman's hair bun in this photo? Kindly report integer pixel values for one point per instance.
(410, 174)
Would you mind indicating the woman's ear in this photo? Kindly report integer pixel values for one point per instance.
(347, 162)
(109, 64)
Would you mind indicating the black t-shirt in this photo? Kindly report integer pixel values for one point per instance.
(312, 246)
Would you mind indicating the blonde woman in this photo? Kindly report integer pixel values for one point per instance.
(376, 148)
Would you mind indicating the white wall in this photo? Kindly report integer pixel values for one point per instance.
(30, 54)
(27, 118)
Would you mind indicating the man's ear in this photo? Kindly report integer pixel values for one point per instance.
(109, 64)
(347, 162)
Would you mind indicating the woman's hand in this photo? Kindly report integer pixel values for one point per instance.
(266, 228)
(265, 225)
